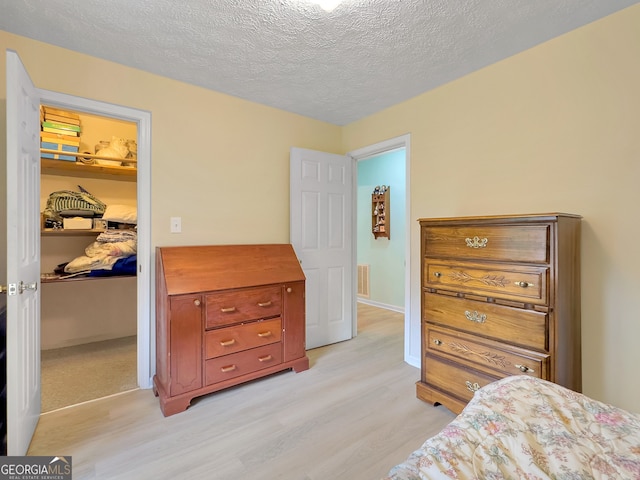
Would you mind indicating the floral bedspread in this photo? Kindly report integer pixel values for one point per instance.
(521, 427)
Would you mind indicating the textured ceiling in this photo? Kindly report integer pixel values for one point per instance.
(335, 66)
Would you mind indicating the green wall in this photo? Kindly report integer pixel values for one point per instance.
(385, 257)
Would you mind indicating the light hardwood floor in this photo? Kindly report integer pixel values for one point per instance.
(353, 415)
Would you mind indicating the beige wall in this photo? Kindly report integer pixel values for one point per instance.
(553, 129)
(219, 162)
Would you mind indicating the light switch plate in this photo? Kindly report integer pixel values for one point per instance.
(176, 224)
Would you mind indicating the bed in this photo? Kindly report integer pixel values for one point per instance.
(521, 427)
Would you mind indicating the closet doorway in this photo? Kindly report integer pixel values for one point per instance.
(124, 312)
(88, 257)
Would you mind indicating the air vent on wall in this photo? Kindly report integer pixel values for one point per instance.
(363, 281)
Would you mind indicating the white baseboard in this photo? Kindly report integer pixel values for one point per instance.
(386, 306)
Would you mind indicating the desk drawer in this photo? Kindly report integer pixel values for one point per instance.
(224, 341)
(241, 363)
(236, 306)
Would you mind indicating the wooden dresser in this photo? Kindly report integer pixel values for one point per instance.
(225, 315)
(500, 296)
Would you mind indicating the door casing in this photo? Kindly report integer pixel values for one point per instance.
(143, 120)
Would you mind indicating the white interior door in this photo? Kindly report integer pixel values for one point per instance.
(23, 257)
(321, 226)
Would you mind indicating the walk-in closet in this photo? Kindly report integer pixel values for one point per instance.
(88, 200)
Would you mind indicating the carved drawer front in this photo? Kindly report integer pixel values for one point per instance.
(241, 363)
(235, 306)
(511, 282)
(224, 341)
(486, 354)
(454, 379)
(508, 243)
(527, 328)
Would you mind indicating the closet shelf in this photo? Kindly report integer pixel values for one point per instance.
(79, 169)
(60, 232)
(81, 278)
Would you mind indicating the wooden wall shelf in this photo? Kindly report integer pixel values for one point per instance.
(380, 213)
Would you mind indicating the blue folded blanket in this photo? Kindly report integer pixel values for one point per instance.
(123, 266)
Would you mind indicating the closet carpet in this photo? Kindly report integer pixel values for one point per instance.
(73, 375)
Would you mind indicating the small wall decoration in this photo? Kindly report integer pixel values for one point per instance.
(380, 212)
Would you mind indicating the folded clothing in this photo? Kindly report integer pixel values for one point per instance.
(116, 235)
(114, 249)
(122, 266)
(105, 251)
(81, 203)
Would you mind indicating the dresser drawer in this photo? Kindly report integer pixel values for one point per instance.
(241, 363)
(235, 306)
(484, 354)
(527, 328)
(454, 379)
(228, 340)
(511, 282)
(505, 243)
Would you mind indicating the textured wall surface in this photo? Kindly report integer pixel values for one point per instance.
(336, 66)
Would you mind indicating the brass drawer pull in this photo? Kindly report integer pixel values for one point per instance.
(226, 343)
(525, 369)
(266, 358)
(524, 284)
(228, 368)
(475, 316)
(196, 302)
(476, 242)
(264, 334)
(264, 304)
(472, 387)
(228, 309)
(437, 342)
